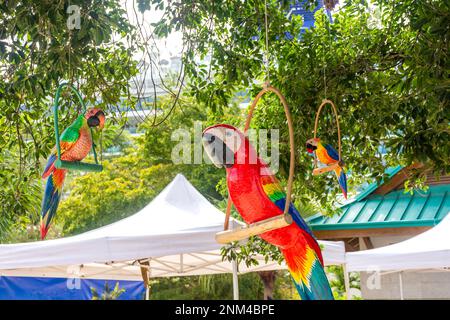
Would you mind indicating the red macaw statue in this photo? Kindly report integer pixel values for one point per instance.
(257, 195)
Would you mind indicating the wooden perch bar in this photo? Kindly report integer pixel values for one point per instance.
(254, 229)
(321, 170)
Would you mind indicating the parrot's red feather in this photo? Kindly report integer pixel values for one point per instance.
(257, 195)
(48, 171)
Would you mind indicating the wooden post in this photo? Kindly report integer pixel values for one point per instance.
(254, 229)
(268, 279)
(145, 273)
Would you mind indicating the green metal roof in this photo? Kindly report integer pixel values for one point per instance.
(390, 172)
(395, 209)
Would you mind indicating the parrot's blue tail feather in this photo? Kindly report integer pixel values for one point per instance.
(342, 180)
(50, 202)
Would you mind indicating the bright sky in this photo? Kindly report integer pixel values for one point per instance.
(170, 46)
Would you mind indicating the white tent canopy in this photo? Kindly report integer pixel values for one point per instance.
(429, 250)
(174, 233)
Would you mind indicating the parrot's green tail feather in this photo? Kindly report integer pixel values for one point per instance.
(307, 272)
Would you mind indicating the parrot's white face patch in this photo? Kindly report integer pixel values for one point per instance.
(232, 140)
(229, 136)
(221, 145)
(313, 142)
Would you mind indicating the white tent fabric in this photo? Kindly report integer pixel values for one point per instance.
(429, 250)
(188, 264)
(174, 232)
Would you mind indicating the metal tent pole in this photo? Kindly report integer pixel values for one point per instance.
(400, 278)
(346, 281)
(147, 293)
(235, 280)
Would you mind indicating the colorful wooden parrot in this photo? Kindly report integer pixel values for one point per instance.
(75, 142)
(257, 195)
(328, 155)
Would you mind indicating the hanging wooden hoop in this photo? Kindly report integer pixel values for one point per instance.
(275, 222)
(328, 168)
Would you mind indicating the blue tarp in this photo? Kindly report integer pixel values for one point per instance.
(40, 288)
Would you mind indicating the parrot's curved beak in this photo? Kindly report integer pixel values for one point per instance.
(97, 120)
(219, 153)
(93, 122)
(311, 145)
(101, 117)
(310, 148)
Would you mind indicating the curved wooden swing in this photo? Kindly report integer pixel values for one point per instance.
(325, 169)
(72, 165)
(272, 223)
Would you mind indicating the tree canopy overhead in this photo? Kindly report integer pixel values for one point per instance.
(38, 50)
(384, 63)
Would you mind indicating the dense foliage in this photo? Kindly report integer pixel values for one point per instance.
(130, 181)
(337, 282)
(384, 64)
(220, 286)
(37, 52)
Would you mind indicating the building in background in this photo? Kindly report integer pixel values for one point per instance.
(385, 214)
(147, 86)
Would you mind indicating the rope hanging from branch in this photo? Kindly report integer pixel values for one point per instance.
(266, 55)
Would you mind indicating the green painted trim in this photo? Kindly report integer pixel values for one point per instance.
(77, 165)
(372, 225)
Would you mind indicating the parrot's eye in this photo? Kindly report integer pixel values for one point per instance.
(229, 133)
